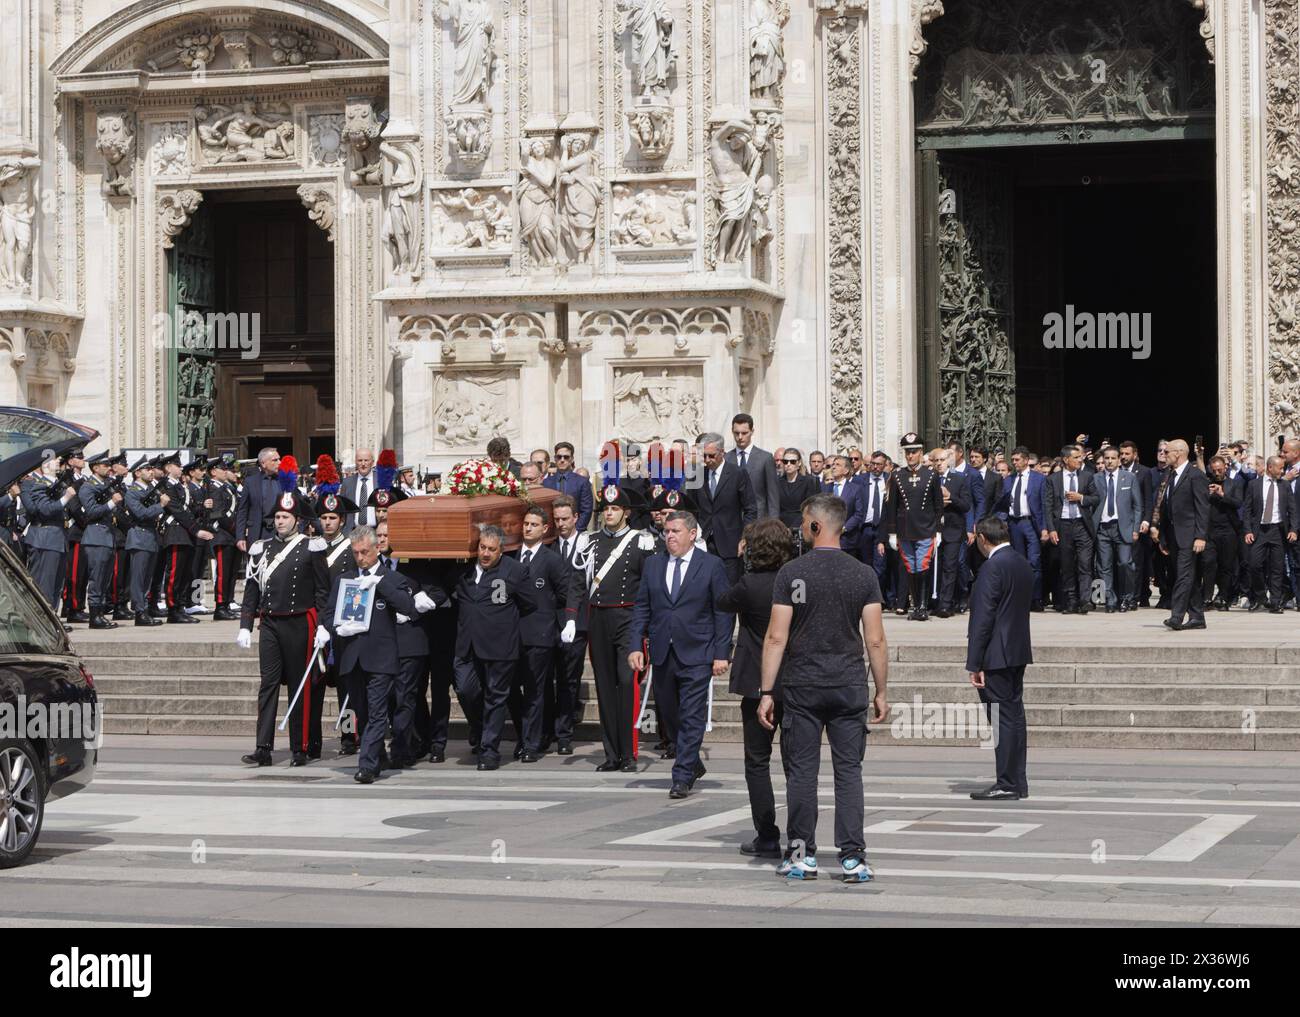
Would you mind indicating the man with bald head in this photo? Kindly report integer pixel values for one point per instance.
(1184, 529)
(358, 488)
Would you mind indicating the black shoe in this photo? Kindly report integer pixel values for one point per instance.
(995, 794)
(365, 776)
(629, 766)
(519, 751)
(757, 849)
(157, 613)
(1037, 607)
(260, 757)
(347, 748)
(679, 791)
(530, 757)
(67, 627)
(662, 745)
(608, 766)
(146, 619)
(179, 617)
(299, 759)
(224, 614)
(1276, 610)
(943, 613)
(313, 754)
(98, 621)
(437, 756)
(488, 766)
(1259, 605)
(78, 616)
(1194, 624)
(700, 771)
(1169, 623)
(400, 763)
(122, 614)
(565, 749)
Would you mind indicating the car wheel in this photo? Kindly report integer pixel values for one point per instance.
(22, 801)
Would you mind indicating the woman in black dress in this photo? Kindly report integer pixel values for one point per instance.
(795, 487)
(765, 546)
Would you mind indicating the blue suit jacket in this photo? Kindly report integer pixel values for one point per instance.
(997, 632)
(696, 628)
(576, 487)
(1037, 512)
(855, 497)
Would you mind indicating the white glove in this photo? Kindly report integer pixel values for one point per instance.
(893, 541)
(402, 619)
(567, 633)
(322, 636)
(423, 602)
(369, 582)
(350, 628)
(244, 639)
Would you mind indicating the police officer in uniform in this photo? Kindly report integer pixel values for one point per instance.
(283, 590)
(332, 556)
(913, 508)
(197, 482)
(100, 501)
(75, 575)
(144, 502)
(225, 503)
(45, 498)
(611, 565)
(181, 527)
(120, 587)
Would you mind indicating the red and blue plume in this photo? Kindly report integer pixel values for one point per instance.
(611, 462)
(385, 469)
(665, 467)
(327, 476)
(288, 474)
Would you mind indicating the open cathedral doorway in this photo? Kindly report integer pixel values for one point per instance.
(1067, 259)
(272, 276)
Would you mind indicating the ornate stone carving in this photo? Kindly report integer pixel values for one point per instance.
(581, 193)
(472, 407)
(654, 216)
(17, 221)
(362, 126)
(403, 206)
(651, 128)
(658, 404)
(535, 195)
(650, 27)
(1282, 189)
(237, 42)
(293, 48)
(657, 323)
(115, 141)
(758, 330)
(474, 49)
(923, 12)
(175, 208)
(497, 330)
(169, 149)
(1206, 28)
(767, 47)
(737, 163)
(196, 51)
(473, 218)
(319, 202)
(845, 316)
(469, 130)
(325, 140)
(252, 133)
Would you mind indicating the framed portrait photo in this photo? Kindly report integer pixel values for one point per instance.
(355, 603)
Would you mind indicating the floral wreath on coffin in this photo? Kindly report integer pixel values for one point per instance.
(482, 476)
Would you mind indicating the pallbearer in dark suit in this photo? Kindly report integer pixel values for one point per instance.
(1270, 525)
(1069, 501)
(952, 527)
(1183, 531)
(550, 578)
(369, 656)
(997, 649)
(678, 608)
(492, 595)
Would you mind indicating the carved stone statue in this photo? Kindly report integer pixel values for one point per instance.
(485, 219)
(685, 233)
(652, 130)
(475, 57)
(319, 202)
(470, 132)
(535, 194)
(17, 212)
(361, 129)
(403, 231)
(766, 47)
(115, 141)
(736, 166)
(581, 195)
(651, 26)
(245, 134)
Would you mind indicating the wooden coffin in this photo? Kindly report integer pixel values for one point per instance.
(446, 525)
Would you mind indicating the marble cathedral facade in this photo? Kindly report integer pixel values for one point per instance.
(554, 218)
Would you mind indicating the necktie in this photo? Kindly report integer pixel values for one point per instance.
(713, 483)
(1074, 486)
(1015, 496)
(675, 585)
(527, 557)
(1268, 503)
(875, 498)
(363, 495)
(741, 457)
(1110, 494)
(564, 549)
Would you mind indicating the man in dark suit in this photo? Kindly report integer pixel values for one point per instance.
(726, 504)
(952, 527)
(359, 488)
(1142, 548)
(758, 463)
(255, 516)
(567, 482)
(846, 488)
(368, 657)
(571, 657)
(1183, 531)
(1117, 522)
(997, 649)
(1227, 495)
(677, 607)
(493, 594)
(1270, 528)
(1069, 501)
(1022, 500)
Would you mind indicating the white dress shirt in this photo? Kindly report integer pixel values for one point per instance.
(1107, 516)
(1263, 500)
(686, 565)
(1071, 509)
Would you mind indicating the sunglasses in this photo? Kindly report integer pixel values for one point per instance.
(561, 456)
(790, 462)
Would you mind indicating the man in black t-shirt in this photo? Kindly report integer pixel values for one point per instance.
(822, 605)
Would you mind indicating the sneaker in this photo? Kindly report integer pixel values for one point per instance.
(854, 869)
(798, 868)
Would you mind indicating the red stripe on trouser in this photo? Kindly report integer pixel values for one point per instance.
(115, 578)
(929, 557)
(306, 689)
(171, 580)
(220, 583)
(72, 582)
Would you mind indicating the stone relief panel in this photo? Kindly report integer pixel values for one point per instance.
(472, 407)
(325, 147)
(658, 403)
(473, 219)
(1282, 155)
(240, 43)
(654, 215)
(115, 141)
(250, 132)
(169, 149)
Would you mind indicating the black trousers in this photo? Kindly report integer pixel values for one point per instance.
(283, 649)
(1076, 549)
(1227, 544)
(141, 571)
(441, 681)
(491, 679)
(121, 586)
(75, 578)
(1005, 689)
(841, 712)
(949, 571)
(224, 585)
(177, 560)
(1267, 573)
(99, 568)
(569, 661)
(758, 773)
(1143, 553)
(198, 570)
(46, 569)
(1186, 598)
(527, 693)
(377, 689)
(617, 691)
